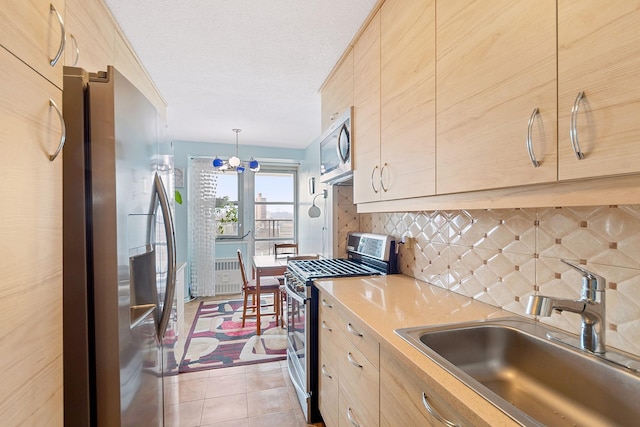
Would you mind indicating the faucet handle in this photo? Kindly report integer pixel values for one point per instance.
(591, 282)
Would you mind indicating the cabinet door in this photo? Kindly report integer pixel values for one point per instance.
(407, 98)
(496, 64)
(337, 94)
(31, 31)
(366, 114)
(31, 250)
(599, 54)
(91, 33)
(401, 398)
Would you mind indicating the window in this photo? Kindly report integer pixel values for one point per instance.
(228, 209)
(275, 209)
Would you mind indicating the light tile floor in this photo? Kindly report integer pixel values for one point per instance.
(242, 396)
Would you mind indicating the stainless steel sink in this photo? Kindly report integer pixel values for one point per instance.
(538, 381)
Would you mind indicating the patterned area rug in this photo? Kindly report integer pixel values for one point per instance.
(217, 339)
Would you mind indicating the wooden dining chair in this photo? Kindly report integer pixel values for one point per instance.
(268, 285)
(285, 249)
(283, 292)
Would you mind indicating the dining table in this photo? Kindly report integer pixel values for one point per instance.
(268, 265)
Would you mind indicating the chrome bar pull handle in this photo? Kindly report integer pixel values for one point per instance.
(351, 329)
(325, 372)
(63, 133)
(532, 155)
(352, 360)
(76, 50)
(573, 130)
(63, 38)
(351, 419)
(373, 172)
(435, 413)
(385, 189)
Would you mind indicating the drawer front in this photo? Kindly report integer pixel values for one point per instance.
(401, 398)
(353, 413)
(360, 380)
(361, 338)
(328, 389)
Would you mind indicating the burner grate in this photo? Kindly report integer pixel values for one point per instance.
(327, 268)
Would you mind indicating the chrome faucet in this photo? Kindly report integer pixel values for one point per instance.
(590, 306)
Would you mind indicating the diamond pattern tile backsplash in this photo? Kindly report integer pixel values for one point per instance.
(502, 256)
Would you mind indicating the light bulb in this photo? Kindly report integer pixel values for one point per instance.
(254, 165)
(234, 161)
(217, 162)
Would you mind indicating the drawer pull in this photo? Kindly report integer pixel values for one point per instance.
(325, 372)
(351, 329)
(353, 361)
(532, 155)
(573, 128)
(63, 134)
(351, 419)
(326, 304)
(324, 326)
(435, 413)
(76, 50)
(63, 38)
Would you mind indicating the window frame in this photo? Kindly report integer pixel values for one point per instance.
(277, 169)
(241, 207)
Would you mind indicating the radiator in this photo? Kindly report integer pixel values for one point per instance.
(228, 277)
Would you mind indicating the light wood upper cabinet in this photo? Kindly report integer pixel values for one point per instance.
(31, 30)
(599, 54)
(337, 93)
(91, 35)
(496, 64)
(366, 114)
(407, 99)
(31, 250)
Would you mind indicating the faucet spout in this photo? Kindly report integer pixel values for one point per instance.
(590, 307)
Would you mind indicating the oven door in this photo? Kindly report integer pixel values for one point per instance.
(297, 345)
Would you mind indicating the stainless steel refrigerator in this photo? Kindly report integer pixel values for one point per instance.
(119, 255)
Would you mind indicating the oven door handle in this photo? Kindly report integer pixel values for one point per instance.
(294, 295)
(294, 378)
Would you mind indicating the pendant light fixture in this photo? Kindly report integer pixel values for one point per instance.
(234, 162)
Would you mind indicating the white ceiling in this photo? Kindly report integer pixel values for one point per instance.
(256, 65)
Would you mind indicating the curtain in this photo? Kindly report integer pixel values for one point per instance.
(202, 226)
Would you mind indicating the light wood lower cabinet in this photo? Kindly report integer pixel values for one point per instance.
(348, 392)
(403, 396)
(31, 249)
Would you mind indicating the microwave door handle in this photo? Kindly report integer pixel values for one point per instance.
(171, 254)
(343, 156)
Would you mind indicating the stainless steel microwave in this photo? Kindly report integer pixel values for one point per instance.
(335, 150)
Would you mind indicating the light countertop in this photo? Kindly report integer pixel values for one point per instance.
(385, 303)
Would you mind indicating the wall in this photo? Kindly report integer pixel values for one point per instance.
(502, 256)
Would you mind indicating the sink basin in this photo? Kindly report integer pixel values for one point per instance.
(538, 381)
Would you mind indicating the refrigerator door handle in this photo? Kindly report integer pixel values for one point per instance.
(171, 255)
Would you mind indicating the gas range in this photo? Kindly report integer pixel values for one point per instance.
(308, 270)
(368, 255)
